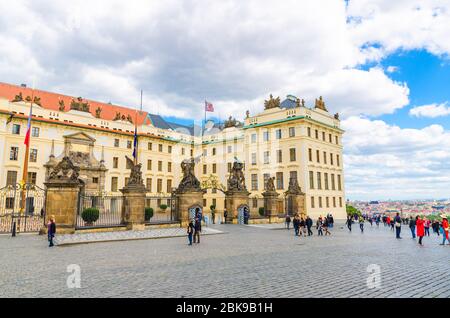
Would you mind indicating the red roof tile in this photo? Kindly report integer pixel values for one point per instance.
(51, 101)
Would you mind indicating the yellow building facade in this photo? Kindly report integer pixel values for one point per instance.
(286, 139)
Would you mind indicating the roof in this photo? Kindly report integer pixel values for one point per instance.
(51, 101)
(289, 102)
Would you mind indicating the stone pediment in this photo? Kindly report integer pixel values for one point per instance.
(80, 137)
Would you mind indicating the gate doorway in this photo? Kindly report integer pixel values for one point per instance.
(22, 207)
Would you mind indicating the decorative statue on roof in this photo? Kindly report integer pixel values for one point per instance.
(79, 105)
(272, 103)
(61, 105)
(117, 117)
(37, 101)
(320, 104)
(236, 181)
(129, 118)
(98, 112)
(336, 116)
(17, 98)
(135, 174)
(231, 122)
(247, 114)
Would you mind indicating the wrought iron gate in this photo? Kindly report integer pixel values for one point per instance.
(22, 208)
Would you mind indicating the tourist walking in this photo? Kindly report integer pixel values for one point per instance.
(349, 223)
(296, 224)
(190, 231)
(309, 224)
(361, 224)
(225, 214)
(302, 227)
(288, 221)
(436, 226)
(427, 226)
(371, 221)
(51, 230)
(398, 225)
(444, 229)
(412, 226)
(420, 225)
(319, 226)
(325, 226)
(197, 230)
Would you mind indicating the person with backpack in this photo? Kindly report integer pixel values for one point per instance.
(309, 224)
(296, 224)
(288, 221)
(412, 226)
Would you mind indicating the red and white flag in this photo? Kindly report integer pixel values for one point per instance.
(209, 107)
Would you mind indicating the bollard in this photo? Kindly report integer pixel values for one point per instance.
(14, 229)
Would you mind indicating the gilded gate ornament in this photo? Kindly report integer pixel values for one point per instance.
(320, 104)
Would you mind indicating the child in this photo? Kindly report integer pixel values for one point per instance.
(190, 232)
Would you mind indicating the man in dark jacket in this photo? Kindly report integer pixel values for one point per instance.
(412, 227)
(197, 230)
(398, 225)
(309, 224)
(225, 214)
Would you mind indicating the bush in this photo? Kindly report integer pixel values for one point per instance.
(90, 215)
(148, 213)
(163, 207)
(351, 211)
(261, 211)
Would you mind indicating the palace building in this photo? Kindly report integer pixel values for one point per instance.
(285, 140)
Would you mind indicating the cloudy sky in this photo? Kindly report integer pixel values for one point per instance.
(384, 65)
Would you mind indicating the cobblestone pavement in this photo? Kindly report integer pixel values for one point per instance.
(71, 239)
(246, 262)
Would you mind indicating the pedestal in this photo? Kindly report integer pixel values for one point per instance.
(133, 207)
(186, 201)
(61, 201)
(270, 205)
(296, 204)
(234, 200)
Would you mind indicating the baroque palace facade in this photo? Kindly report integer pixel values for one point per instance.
(285, 140)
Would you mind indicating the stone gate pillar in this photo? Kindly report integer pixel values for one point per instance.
(295, 199)
(133, 206)
(271, 201)
(237, 194)
(62, 194)
(189, 193)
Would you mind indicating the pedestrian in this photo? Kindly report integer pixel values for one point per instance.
(303, 226)
(349, 223)
(225, 214)
(420, 224)
(296, 224)
(412, 226)
(309, 224)
(371, 221)
(427, 226)
(246, 215)
(361, 224)
(42, 212)
(51, 230)
(436, 227)
(398, 225)
(197, 230)
(190, 231)
(444, 229)
(325, 226)
(378, 221)
(288, 221)
(319, 226)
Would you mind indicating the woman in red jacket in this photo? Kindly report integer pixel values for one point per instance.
(444, 229)
(420, 227)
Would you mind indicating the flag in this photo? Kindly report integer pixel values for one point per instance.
(27, 136)
(209, 107)
(10, 118)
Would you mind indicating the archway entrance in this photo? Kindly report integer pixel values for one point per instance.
(243, 214)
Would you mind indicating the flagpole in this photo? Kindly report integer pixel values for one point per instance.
(24, 180)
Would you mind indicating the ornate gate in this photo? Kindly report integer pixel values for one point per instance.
(22, 207)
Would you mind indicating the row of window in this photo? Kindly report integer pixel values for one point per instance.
(327, 179)
(327, 202)
(11, 177)
(148, 184)
(279, 177)
(16, 130)
(14, 154)
(323, 157)
(292, 133)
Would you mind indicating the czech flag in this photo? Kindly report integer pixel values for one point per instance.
(27, 136)
(209, 107)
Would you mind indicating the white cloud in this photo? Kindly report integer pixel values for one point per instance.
(391, 69)
(432, 110)
(387, 162)
(180, 52)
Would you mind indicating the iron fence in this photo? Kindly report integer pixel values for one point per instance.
(109, 207)
(164, 210)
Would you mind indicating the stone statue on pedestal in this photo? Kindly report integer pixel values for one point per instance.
(135, 174)
(236, 181)
(189, 181)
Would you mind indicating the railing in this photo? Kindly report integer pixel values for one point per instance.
(164, 210)
(110, 211)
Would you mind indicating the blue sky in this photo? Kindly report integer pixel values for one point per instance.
(383, 65)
